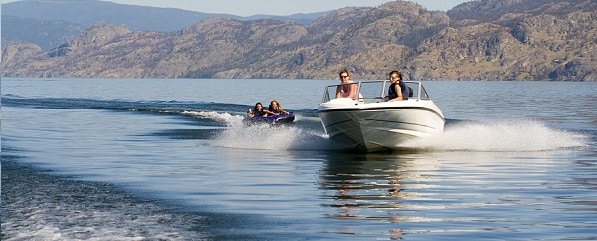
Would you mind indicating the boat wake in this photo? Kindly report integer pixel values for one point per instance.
(264, 136)
(495, 136)
(217, 116)
(499, 136)
(271, 137)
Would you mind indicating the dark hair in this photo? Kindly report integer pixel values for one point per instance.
(396, 72)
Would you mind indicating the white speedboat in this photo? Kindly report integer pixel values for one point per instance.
(371, 123)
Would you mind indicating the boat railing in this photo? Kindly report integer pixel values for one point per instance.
(370, 91)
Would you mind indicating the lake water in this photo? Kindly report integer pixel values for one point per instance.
(169, 159)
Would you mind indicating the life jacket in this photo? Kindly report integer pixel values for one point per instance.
(392, 91)
(277, 110)
(406, 92)
(258, 113)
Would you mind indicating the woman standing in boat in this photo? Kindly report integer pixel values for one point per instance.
(347, 89)
(398, 89)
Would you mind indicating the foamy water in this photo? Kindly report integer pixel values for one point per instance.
(264, 136)
(518, 135)
(499, 135)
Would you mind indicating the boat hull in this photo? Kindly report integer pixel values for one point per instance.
(378, 126)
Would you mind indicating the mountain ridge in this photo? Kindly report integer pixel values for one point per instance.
(522, 40)
(31, 21)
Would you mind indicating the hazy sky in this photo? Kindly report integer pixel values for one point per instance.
(275, 7)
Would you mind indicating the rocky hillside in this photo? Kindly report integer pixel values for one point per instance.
(478, 40)
(49, 23)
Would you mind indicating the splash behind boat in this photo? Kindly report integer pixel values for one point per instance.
(371, 123)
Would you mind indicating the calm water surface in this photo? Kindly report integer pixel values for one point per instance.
(128, 159)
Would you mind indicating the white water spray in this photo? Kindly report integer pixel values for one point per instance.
(496, 136)
(500, 136)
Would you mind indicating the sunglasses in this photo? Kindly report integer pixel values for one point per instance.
(343, 76)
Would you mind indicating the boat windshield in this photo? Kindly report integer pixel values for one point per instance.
(377, 91)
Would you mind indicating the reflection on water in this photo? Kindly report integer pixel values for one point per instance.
(373, 187)
(466, 194)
